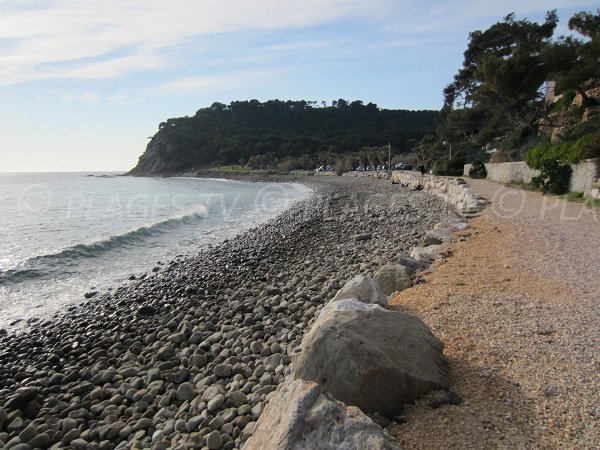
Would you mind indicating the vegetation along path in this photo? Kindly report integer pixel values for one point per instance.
(517, 307)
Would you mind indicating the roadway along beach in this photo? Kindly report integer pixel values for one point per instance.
(517, 308)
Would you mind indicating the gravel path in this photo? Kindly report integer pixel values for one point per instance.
(188, 357)
(517, 307)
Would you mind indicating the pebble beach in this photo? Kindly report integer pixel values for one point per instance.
(189, 355)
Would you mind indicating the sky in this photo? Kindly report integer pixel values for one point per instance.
(85, 83)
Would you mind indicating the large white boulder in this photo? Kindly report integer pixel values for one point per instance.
(303, 416)
(370, 357)
(364, 289)
(393, 277)
(426, 254)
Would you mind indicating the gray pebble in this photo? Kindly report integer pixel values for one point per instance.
(214, 440)
(215, 403)
(186, 392)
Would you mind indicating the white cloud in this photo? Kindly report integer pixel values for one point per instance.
(222, 82)
(86, 39)
(448, 16)
(69, 97)
(71, 34)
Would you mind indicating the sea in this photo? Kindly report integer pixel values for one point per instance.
(63, 235)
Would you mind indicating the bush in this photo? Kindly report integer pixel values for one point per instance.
(564, 102)
(340, 166)
(478, 170)
(450, 167)
(554, 177)
(565, 152)
(589, 145)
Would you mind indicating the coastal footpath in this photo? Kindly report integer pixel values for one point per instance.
(190, 355)
(517, 308)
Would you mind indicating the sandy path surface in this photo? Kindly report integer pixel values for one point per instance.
(517, 306)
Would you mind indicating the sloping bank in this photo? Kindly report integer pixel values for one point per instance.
(361, 363)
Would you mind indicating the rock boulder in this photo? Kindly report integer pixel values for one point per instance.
(437, 237)
(412, 265)
(452, 224)
(370, 357)
(426, 254)
(393, 277)
(303, 416)
(364, 289)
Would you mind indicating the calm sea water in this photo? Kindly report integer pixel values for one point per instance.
(62, 235)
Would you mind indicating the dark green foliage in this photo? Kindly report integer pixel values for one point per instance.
(269, 134)
(590, 145)
(450, 167)
(554, 177)
(497, 98)
(496, 91)
(576, 61)
(478, 170)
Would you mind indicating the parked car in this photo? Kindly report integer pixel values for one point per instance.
(403, 166)
(324, 169)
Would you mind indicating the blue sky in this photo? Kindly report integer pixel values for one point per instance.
(83, 84)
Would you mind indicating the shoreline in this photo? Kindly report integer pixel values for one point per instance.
(43, 280)
(208, 334)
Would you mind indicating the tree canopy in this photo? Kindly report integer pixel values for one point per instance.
(497, 88)
(497, 98)
(263, 134)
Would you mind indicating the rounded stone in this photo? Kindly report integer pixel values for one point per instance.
(214, 440)
(215, 403)
(27, 433)
(223, 370)
(42, 440)
(186, 392)
(21, 447)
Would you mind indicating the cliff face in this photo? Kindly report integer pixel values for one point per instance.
(567, 115)
(157, 159)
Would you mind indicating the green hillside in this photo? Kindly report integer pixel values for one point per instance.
(279, 134)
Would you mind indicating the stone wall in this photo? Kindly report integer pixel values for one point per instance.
(584, 178)
(452, 190)
(510, 172)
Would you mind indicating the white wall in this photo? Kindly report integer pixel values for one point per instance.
(584, 178)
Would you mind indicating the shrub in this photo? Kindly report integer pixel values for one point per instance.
(450, 167)
(340, 166)
(478, 170)
(589, 145)
(554, 177)
(565, 152)
(564, 102)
